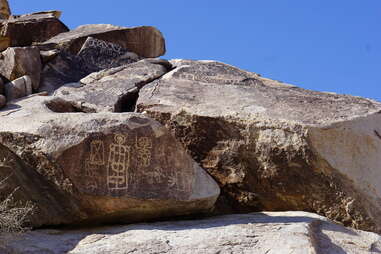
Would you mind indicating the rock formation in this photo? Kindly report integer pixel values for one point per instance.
(273, 146)
(283, 232)
(95, 129)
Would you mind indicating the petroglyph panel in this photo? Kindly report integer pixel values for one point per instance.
(134, 164)
(215, 73)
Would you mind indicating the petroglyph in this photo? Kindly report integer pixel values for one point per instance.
(118, 164)
(97, 152)
(144, 146)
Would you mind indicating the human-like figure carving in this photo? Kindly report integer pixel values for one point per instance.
(118, 164)
(97, 152)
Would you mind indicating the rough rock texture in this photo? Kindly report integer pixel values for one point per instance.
(79, 167)
(19, 61)
(146, 41)
(5, 11)
(113, 90)
(25, 29)
(95, 55)
(3, 101)
(273, 146)
(286, 232)
(18, 88)
(101, 55)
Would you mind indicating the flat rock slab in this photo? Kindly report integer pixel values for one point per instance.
(97, 167)
(146, 41)
(269, 232)
(274, 146)
(20, 31)
(115, 89)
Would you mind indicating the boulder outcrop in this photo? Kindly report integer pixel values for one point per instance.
(16, 62)
(23, 30)
(273, 146)
(146, 41)
(5, 11)
(85, 168)
(283, 232)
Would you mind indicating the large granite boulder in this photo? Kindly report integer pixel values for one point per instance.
(19, 61)
(269, 232)
(146, 41)
(19, 31)
(95, 55)
(93, 168)
(273, 146)
(115, 89)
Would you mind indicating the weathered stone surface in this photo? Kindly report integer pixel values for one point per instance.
(18, 88)
(3, 101)
(146, 41)
(113, 90)
(285, 232)
(5, 11)
(19, 61)
(273, 146)
(79, 167)
(19, 31)
(94, 56)
(101, 55)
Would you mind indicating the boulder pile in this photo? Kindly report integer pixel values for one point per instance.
(95, 128)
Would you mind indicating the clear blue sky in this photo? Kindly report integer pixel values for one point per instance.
(325, 45)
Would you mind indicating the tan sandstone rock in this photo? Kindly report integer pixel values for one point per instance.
(268, 232)
(146, 41)
(16, 62)
(273, 146)
(5, 11)
(20, 31)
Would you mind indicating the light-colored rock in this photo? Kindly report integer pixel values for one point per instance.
(115, 89)
(93, 168)
(16, 62)
(20, 31)
(284, 232)
(3, 101)
(18, 88)
(146, 41)
(273, 146)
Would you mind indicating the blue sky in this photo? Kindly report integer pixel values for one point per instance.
(322, 45)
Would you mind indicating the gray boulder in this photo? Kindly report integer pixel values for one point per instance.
(273, 146)
(16, 62)
(269, 232)
(18, 88)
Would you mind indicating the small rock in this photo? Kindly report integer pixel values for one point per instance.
(18, 88)
(16, 62)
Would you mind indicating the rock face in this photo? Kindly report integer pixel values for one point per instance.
(3, 101)
(146, 41)
(5, 11)
(286, 232)
(19, 31)
(273, 146)
(19, 61)
(113, 90)
(18, 88)
(78, 167)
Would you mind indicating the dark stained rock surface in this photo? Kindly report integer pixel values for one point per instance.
(273, 146)
(115, 89)
(3, 101)
(146, 41)
(77, 167)
(16, 62)
(26, 29)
